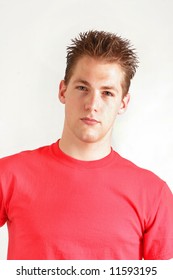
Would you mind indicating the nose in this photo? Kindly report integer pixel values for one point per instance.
(92, 102)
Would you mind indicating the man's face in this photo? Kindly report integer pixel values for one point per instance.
(92, 98)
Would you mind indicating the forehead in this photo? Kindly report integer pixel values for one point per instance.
(96, 67)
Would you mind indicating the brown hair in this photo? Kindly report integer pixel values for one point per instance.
(106, 46)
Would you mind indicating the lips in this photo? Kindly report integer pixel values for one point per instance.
(89, 121)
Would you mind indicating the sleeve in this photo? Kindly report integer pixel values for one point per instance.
(3, 217)
(158, 237)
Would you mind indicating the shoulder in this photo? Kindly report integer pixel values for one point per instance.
(18, 160)
(136, 175)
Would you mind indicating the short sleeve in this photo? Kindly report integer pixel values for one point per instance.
(158, 237)
(3, 217)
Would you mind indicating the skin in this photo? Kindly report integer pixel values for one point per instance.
(93, 98)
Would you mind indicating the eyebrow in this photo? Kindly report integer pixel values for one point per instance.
(88, 84)
(82, 82)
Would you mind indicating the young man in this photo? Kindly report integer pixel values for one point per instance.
(77, 198)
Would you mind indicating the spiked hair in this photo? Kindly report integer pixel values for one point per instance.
(104, 46)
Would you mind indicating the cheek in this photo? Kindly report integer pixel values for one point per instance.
(73, 100)
(111, 113)
(72, 108)
(109, 117)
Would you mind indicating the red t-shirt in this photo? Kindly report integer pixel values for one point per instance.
(57, 207)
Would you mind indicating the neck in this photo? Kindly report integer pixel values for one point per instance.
(85, 151)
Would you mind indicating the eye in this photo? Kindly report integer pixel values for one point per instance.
(108, 93)
(82, 88)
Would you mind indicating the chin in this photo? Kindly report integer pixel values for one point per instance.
(89, 138)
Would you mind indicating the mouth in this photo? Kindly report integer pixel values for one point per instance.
(89, 121)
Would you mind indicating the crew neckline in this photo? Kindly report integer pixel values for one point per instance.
(76, 163)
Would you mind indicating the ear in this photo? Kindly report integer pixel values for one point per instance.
(124, 104)
(62, 90)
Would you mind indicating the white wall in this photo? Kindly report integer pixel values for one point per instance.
(33, 39)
